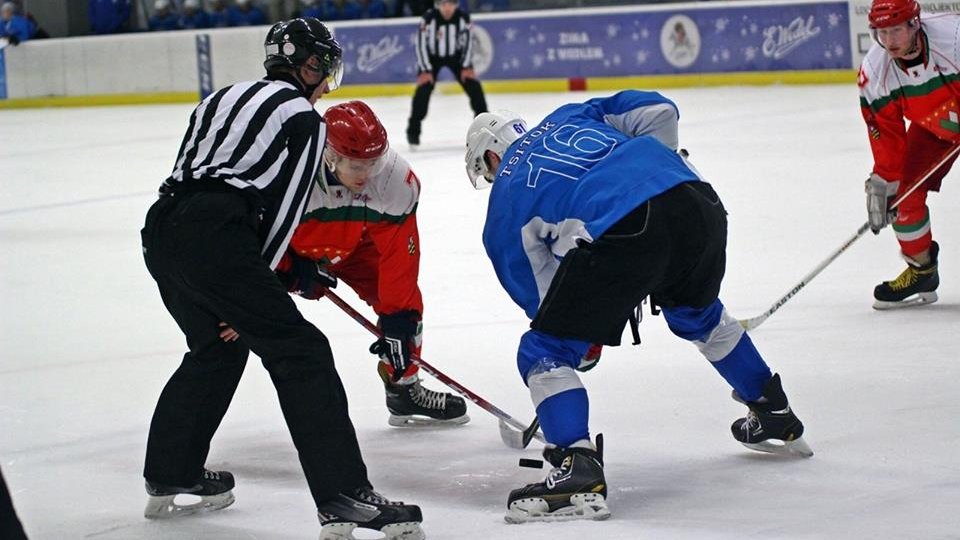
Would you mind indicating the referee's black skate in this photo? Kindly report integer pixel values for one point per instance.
(574, 489)
(215, 490)
(366, 509)
(770, 425)
(411, 404)
(914, 286)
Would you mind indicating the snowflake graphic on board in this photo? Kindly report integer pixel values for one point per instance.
(720, 55)
(750, 53)
(612, 30)
(642, 57)
(537, 60)
(833, 20)
(510, 34)
(721, 24)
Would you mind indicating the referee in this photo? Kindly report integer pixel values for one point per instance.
(221, 225)
(444, 40)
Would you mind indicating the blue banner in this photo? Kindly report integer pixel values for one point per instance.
(631, 42)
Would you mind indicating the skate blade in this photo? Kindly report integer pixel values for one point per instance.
(582, 506)
(425, 421)
(395, 531)
(165, 507)
(794, 448)
(918, 299)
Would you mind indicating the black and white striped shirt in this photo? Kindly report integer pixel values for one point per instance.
(260, 136)
(440, 39)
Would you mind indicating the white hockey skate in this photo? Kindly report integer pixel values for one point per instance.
(214, 491)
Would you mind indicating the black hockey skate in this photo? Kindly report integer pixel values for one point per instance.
(215, 490)
(366, 509)
(413, 137)
(574, 489)
(410, 404)
(914, 286)
(771, 420)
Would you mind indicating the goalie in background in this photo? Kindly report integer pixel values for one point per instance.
(910, 74)
(361, 227)
(592, 211)
(443, 41)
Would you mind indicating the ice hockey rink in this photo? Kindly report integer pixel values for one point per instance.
(86, 345)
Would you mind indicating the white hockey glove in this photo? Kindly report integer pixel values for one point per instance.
(880, 194)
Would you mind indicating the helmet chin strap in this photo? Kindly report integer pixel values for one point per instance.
(309, 89)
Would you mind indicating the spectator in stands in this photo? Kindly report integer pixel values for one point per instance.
(15, 28)
(315, 8)
(38, 32)
(246, 13)
(493, 5)
(108, 16)
(343, 10)
(372, 9)
(193, 16)
(415, 8)
(163, 17)
(219, 14)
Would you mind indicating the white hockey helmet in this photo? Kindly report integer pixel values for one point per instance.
(493, 131)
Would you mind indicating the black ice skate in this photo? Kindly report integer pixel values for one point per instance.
(914, 286)
(771, 420)
(366, 509)
(410, 404)
(215, 490)
(574, 489)
(413, 137)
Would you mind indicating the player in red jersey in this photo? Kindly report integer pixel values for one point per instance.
(912, 73)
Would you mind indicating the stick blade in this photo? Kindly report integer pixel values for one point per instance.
(511, 437)
(514, 438)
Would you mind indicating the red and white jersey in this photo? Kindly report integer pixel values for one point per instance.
(925, 94)
(368, 239)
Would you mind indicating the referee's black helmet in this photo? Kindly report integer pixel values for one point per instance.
(291, 43)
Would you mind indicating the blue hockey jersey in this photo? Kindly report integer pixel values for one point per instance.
(579, 171)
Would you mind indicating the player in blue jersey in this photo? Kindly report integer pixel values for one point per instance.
(591, 211)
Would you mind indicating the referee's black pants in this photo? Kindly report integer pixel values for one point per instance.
(421, 96)
(203, 251)
(10, 526)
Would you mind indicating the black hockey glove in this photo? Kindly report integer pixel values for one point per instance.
(399, 330)
(307, 278)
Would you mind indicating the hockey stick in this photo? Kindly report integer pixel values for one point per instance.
(514, 434)
(750, 324)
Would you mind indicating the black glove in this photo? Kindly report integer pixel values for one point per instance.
(307, 278)
(399, 331)
(12, 38)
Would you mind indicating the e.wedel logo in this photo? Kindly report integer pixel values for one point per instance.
(374, 55)
(779, 40)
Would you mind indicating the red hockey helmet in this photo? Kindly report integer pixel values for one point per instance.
(354, 131)
(885, 13)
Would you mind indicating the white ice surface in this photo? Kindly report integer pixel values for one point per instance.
(86, 345)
